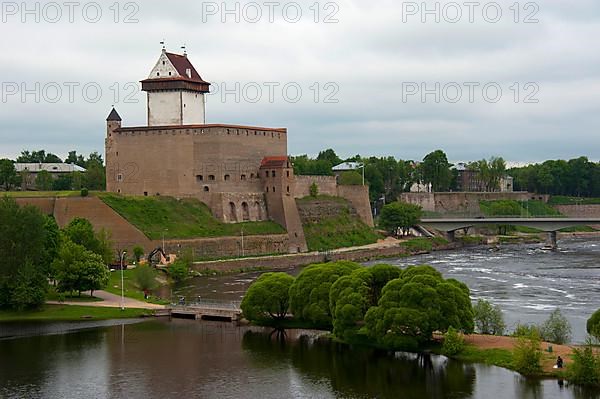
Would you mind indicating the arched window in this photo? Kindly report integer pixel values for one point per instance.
(273, 173)
(245, 212)
(273, 188)
(288, 173)
(206, 188)
(243, 177)
(267, 173)
(199, 178)
(232, 212)
(288, 189)
(211, 177)
(226, 177)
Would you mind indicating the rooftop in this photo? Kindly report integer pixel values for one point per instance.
(49, 167)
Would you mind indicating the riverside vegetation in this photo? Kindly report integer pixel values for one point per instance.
(407, 309)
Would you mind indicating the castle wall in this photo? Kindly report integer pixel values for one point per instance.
(359, 198)
(327, 185)
(189, 161)
(463, 202)
(229, 246)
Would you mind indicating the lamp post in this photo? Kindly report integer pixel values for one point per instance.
(122, 288)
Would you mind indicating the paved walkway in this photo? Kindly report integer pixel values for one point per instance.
(110, 301)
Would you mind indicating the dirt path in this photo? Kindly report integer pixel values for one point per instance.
(111, 301)
(548, 359)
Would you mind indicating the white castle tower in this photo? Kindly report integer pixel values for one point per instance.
(175, 92)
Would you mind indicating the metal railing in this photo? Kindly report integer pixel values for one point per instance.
(198, 302)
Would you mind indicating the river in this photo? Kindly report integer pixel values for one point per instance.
(193, 359)
(527, 282)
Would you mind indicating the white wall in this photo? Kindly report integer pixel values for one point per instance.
(194, 108)
(164, 108)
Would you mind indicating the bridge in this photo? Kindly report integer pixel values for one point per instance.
(203, 309)
(549, 225)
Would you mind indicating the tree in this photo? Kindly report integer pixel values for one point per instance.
(436, 171)
(95, 175)
(179, 270)
(556, 328)
(593, 325)
(138, 252)
(78, 269)
(527, 355)
(75, 159)
(350, 178)
(313, 190)
(8, 174)
(399, 215)
(43, 181)
(415, 305)
(329, 156)
(351, 296)
(64, 182)
(488, 318)
(309, 294)
(490, 172)
(38, 157)
(145, 278)
(81, 232)
(268, 298)
(23, 249)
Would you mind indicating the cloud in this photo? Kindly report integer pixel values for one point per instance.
(368, 58)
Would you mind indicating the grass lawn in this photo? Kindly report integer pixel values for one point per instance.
(511, 208)
(339, 231)
(131, 290)
(563, 200)
(54, 296)
(185, 218)
(71, 313)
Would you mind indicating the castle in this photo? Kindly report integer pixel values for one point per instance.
(241, 172)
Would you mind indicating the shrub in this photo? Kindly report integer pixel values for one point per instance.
(556, 329)
(585, 368)
(144, 278)
(488, 318)
(593, 325)
(179, 270)
(399, 215)
(527, 355)
(314, 190)
(526, 330)
(84, 192)
(268, 297)
(138, 252)
(454, 342)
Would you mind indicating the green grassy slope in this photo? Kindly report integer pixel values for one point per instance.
(185, 218)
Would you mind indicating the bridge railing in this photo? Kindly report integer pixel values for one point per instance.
(198, 302)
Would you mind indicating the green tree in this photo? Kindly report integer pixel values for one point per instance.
(436, 171)
(314, 190)
(527, 355)
(490, 172)
(309, 294)
(43, 181)
(399, 215)
(350, 178)
(415, 305)
(8, 174)
(329, 156)
(351, 296)
(145, 278)
(556, 328)
(64, 182)
(75, 159)
(454, 342)
(268, 298)
(138, 252)
(23, 247)
(81, 232)
(95, 175)
(593, 325)
(78, 269)
(179, 270)
(585, 368)
(38, 157)
(488, 318)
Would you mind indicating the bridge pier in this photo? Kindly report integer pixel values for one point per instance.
(451, 235)
(552, 240)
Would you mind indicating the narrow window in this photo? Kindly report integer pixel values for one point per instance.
(226, 177)
(145, 193)
(288, 173)
(273, 188)
(211, 177)
(199, 178)
(119, 177)
(273, 173)
(243, 177)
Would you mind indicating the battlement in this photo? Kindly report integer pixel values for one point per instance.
(207, 129)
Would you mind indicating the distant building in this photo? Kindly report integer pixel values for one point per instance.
(29, 171)
(468, 180)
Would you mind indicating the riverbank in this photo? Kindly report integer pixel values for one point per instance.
(58, 312)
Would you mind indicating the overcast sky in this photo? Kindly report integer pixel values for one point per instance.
(362, 77)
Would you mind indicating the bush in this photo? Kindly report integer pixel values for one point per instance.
(454, 343)
(179, 270)
(138, 252)
(527, 355)
(488, 318)
(585, 368)
(314, 190)
(593, 325)
(268, 297)
(350, 178)
(84, 192)
(145, 278)
(399, 215)
(556, 329)
(526, 330)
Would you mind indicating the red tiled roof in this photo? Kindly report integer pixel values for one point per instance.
(273, 162)
(182, 64)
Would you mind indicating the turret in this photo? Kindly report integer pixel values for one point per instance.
(113, 122)
(175, 92)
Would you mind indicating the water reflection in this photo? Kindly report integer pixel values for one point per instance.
(181, 359)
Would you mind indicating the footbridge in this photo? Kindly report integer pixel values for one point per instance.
(549, 225)
(206, 310)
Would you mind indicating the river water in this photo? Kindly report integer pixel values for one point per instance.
(527, 282)
(193, 359)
